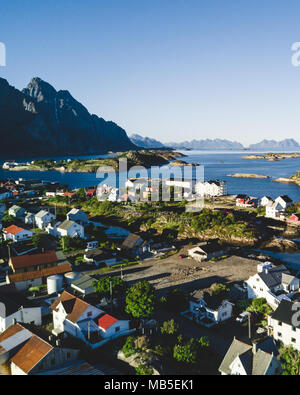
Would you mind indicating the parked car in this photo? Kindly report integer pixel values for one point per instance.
(243, 317)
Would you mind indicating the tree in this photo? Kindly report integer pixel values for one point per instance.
(169, 328)
(39, 241)
(290, 361)
(107, 285)
(218, 289)
(144, 370)
(189, 351)
(141, 300)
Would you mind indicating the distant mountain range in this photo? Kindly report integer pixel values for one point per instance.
(217, 144)
(40, 121)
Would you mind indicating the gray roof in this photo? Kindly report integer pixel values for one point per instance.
(254, 363)
(287, 278)
(66, 224)
(274, 276)
(84, 282)
(42, 213)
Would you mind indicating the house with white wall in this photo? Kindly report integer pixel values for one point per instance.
(71, 229)
(77, 318)
(13, 308)
(208, 309)
(274, 283)
(78, 216)
(15, 233)
(284, 324)
(265, 200)
(257, 359)
(212, 188)
(44, 218)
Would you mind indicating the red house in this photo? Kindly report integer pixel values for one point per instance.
(295, 218)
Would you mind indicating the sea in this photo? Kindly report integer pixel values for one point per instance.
(216, 164)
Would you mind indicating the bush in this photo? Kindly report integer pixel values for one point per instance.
(129, 347)
(144, 370)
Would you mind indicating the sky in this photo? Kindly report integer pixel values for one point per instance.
(173, 70)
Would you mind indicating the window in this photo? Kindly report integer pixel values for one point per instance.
(280, 323)
(89, 314)
(279, 334)
(293, 340)
(293, 329)
(117, 329)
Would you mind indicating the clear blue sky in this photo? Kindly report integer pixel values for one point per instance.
(169, 69)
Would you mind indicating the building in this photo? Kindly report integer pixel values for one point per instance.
(275, 210)
(100, 257)
(208, 309)
(44, 218)
(17, 212)
(15, 233)
(207, 250)
(77, 216)
(77, 318)
(134, 245)
(246, 201)
(70, 229)
(295, 218)
(84, 285)
(257, 359)
(264, 201)
(27, 263)
(211, 188)
(24, 281)
(273, 283)
(4, 194)
(283, 324)
(284, 201)
(29, 218)
(28, 353)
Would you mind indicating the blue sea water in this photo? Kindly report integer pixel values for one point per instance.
(217, 165)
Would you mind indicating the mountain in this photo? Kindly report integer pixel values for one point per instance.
(207, 144)
(146, 142)
(286, 145)
(40, 121)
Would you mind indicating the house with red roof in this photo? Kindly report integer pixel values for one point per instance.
(295, 218)
(74, 317)
(15, 233)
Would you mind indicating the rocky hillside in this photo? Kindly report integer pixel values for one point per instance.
(40, 121)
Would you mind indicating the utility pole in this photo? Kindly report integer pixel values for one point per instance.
(89, 330)
(249, 326)
(111, 295)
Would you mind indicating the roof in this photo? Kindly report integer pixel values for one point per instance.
(131, 241)
(98, 254)
(254, 363)
(73, 306)
(19, 262)
(13, 230)
(51, 271)
(82, 368)
(31, 354)
(84, 282)
(67, 224)
(284, 312)
(11, 331)
(274, 276)
(213, 301)
(106, 321)
(42, 213)
(286, 198)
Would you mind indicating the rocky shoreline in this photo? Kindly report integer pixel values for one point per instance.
(242, 175)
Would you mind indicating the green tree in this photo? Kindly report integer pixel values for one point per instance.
(141, 300)
(189, 351)
(290, 361)
(144, 370)
(107, 285)
(169, 328)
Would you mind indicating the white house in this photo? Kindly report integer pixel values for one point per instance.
(274, 283)
(264, 201)
(211, 188)
(275, 210)
(77, 216)
(44, 218)
(29, 218)
(70, 229)
(284, 201)
(98, 257)
(258, 359)
(16, 211)
(207, 250)
(75, 317)
(13, 308)
(208, 309)
(15, 233)
(284, 324)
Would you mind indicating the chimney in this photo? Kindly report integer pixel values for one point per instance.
(254, 347)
